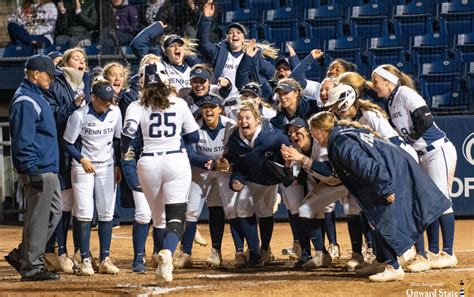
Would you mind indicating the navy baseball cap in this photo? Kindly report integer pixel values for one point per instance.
(252, 88)
(282, 61)
(55, 54)
(42, 63)
(210, 99)
(200, 73)
(105, 93)
(172, 39)
(286, 86)
(297, 122)
(237, 26)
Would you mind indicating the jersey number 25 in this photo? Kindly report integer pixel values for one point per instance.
(162, 119)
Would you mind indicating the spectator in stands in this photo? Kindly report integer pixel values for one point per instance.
(119, 24)
(77, 22)
(33, 23)
(152, 8)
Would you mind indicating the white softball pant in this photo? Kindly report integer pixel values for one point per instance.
(292, 197)
(67, 198)
(256, 198)
(165, 179)
(142, 213)
(440, 165)
(320, 199)
(86, 185)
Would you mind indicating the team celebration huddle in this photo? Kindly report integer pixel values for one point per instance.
(219, 123)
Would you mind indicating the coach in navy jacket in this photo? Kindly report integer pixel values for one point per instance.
(372, 169)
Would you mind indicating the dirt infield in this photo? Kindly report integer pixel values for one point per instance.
(279, 279)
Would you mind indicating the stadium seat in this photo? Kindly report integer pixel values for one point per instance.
(452, 102)
(464, 43)
(247, 17)
(263, 4)
(304, 46)
(92, 49)
(281, 32)
(441, 68)
(389, 50)
(18, 50)
(430, 47)
(55, 47)
(347, 3)
(369, 20)
(304, 4)
(348, 48)
(325, 22)
(457, 16)
(227, 5)
(282, 15)
(437, 84)
(414, 18)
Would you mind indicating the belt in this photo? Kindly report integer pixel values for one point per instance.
(161, 153)
(433, 146)
(231, 102)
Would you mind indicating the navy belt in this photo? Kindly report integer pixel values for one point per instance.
(433, 146)
(161, 153)
(231, 103)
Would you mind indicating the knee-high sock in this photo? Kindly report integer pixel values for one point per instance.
(420, 245)
(188, 237)
(354, 225)
(61, 232)
(158, 238)
(303, 235)
(139, 236)
(389, 256)
(313, 228)
(216, 226)
(266, 231)
(367, 231)
(330, 226)
(237, 234)
(51, 241)
(170, 241)
(292, 218)
(84, 237)
(105, 237)
(249, 227)
(433, 236)
(447, 230)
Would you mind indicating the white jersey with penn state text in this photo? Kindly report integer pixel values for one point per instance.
(230, 71)
(178, 79)
(320, 153)
(312, 90)
(96, 132)
(375, 120)
(400, 108)
(214, 147)
(161, 129)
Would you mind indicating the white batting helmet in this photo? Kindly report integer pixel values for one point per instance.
(343, 95)
(153, 73)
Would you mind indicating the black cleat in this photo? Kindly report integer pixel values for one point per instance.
(13, 258)
(42, 275)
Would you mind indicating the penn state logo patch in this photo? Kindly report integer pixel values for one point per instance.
(468, 148)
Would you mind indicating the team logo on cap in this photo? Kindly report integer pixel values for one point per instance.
(108, 89)
(198, 70)
(467, 149)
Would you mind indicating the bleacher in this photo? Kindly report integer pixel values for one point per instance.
(432, 40)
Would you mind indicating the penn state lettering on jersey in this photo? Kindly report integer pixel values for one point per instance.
(96, 132)
(230, 71)
(179, 79)
(213, 146)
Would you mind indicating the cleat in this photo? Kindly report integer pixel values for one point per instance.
(240, 260)
(255, 260)
(368, 269)
(215, 258)
(388, 275)
(368, 255)
(355, 260)
(165, 266)
(267, 256)
(320, 259)
(418, 264)
(13, 258)
(42, 275)
(154, 260)
(295, 253)
(108, 267)
(199, 239)
(442, 260)
(51, 261)
(334, 251)
(138, 266)
(85, 268)
(183, 261)
(407, 256)
(67, 265)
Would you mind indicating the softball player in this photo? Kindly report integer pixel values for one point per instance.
(323, 189)
(437, 155)
(164, 171)
(91, 134)
(209, 181)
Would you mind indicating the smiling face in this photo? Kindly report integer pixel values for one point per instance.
(77, 61)
(320, 135)
(175, 53)
(210, 114)
(288, 101)
(349, 114)
(235, 38)
(381, 86)
(200, 86)
(300, 137)
(247, 123)
(116, 75)
(335, 69)
(324, 90)
(283, 71)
